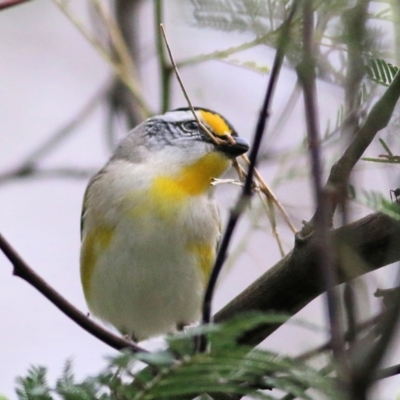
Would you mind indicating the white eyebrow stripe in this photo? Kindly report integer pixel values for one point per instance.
(179, 116)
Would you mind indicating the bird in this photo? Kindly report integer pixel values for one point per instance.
(150, 224)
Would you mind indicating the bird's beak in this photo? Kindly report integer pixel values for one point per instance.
(233, 150)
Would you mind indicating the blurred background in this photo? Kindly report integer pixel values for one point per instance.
(51, 76)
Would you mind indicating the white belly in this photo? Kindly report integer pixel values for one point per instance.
(148, 281)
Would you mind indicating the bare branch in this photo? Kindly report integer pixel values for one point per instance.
(307, 78)
(214, 138)
(387, 372)
(348, 337)
(28, 168)
(246, 192)
(367, 355)
(164, 67)
(377, 119)
(34, 172)
(354, 36)
(22, 270)
(296, 279)
(121, 102)
(11, 3)
(121, 67)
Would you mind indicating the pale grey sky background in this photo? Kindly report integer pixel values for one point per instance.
(48, 72)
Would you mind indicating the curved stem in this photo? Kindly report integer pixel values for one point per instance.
(22, 270)
(165, 69)
(246, 192)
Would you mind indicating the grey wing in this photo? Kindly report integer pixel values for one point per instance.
(130, 150)
(84, 207)
(93, 179)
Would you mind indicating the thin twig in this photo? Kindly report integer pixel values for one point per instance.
(266, 201)
(215, 140)
(263, 187)
(366, 358)
(350, 311)
(120, 97)
(348, 336)
(246, 192)
(282, 119)
(354, 25)
(22, 270)
(165, 69)
(46, 173)
(269, 208)
(215, 55)
(122, 105)
(11, 3)
(307, 78)
(28, 166)
(270, 195)
(119, 69)
(377, 119)
(124, 59)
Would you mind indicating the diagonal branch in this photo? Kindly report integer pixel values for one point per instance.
(11, 3)
(22, 270)
(378, 118)
(28, 167)
(296, 280)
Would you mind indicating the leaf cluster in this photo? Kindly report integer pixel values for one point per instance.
(180, 372)
(381, 72)
(264, 19)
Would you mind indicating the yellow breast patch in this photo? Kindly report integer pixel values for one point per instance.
(205, 255)
(192, 180)
(95, 242)
(215, 122)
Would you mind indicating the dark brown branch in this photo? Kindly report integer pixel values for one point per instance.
(22, 270)
(247, 187)
(388, 372)
(11, 3)
(354, 34)
(366, 355)
(121, 101)
(307, 79)
(378, 118)
(296, 279)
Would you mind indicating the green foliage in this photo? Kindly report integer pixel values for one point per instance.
(385, 146)
(381, 72)
(329, 130)
(251, 65)
(179, 372)
(34, 385)
(388, 158)
(263, 18)
(377, 202)
(240, 15)
(385, 14)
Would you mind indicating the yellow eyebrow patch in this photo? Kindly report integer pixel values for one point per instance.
(95, 242)
(216, 123)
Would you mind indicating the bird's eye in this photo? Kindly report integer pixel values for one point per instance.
(190, 126)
